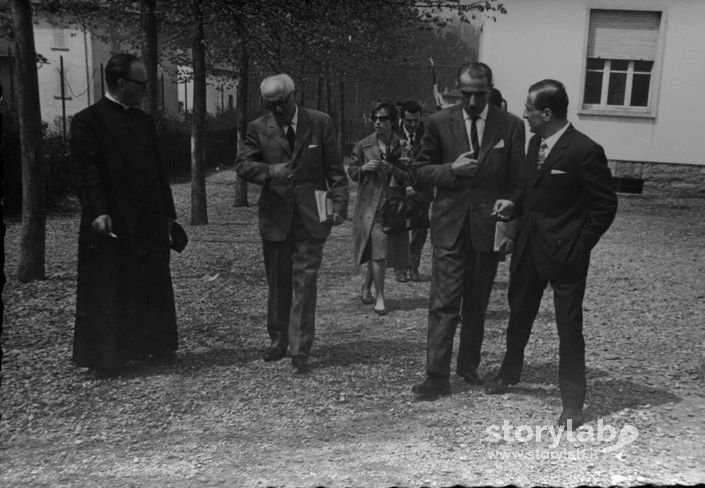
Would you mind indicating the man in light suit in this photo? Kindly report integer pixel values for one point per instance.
(411, 129)
(473, 153)
(292, 152)
(569, 202)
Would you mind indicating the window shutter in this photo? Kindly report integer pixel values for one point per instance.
(623, 34)
(59, 38)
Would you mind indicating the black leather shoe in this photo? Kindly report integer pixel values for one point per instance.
(417, 277)
(470, 376)
(496, 386)
(431, 389)
(300, 363)
(571, 418)
(274, 354)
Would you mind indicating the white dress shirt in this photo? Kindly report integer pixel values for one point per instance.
(479, 124)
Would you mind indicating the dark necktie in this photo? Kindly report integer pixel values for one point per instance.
(291, 137)
(411, 140)
(473, 137)
(542, 155)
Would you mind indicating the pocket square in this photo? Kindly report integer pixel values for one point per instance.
(499, 145)
(312, 146)
(557, 172)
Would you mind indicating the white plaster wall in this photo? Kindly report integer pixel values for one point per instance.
(539, 39)
(74, 68)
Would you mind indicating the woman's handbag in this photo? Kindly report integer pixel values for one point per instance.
(402, 213)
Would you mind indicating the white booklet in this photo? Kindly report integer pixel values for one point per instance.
(501, 230)
(324, 203)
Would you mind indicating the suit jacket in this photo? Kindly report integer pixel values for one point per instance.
(417, 137)
(500, 173)
(566, 206)
(314, 164)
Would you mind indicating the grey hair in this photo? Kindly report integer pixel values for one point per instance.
(282, 79)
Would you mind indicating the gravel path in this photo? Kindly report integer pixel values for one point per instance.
(222, 417)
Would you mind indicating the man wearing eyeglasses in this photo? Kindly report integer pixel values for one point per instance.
(125, 301)
(473, 153)
(292, 152)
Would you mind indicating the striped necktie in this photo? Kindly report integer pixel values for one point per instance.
(543, 151)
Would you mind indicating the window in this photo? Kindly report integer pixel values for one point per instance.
(621, 55)
(59, 40)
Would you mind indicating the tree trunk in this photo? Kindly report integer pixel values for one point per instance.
(341, 117)
(319, 89)
(33, 231)
(329, 101)
(243, 105)
(150, 55)
(199, 210)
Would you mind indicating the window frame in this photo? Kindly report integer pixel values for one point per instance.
(650, 110)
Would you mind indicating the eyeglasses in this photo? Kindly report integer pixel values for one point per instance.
(137, 82)
(476, 94)
(380, 118)
(271, 105)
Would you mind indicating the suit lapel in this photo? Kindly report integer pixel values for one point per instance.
(494, 128)
(303, 132)
(557, 152)
(457, 128)
(277, 134)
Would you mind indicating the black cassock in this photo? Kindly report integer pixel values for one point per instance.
(125, 300)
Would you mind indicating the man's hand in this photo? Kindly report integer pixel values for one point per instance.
(279, 171)
(103, 225)
(464, 166)
(336, 219)
(503, 209)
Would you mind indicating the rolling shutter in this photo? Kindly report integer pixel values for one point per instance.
(623, 34)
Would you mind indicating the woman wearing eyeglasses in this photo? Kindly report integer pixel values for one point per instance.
(373, 168)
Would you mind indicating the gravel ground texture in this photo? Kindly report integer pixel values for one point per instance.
(220, 416)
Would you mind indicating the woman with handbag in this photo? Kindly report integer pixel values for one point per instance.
(379, 166)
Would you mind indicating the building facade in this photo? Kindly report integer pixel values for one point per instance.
(632, 69)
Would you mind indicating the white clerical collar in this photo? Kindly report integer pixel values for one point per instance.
(110, 97)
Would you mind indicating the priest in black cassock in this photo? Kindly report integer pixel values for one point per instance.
(125, 300)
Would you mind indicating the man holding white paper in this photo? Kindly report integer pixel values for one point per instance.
(473, 153)
(292, 152)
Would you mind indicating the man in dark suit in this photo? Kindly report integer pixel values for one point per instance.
(569, 202)
(292, 152)
(411, 129)
(473, 153)
(125, 301)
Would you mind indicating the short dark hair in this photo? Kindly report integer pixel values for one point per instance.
(118, 67)
(410, 106)
(385, 103)
(476, 69)
(550, 94)
(495, 98)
